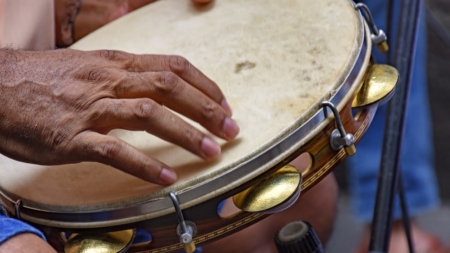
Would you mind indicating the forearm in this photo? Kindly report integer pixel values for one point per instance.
(92, 15)
(65, 14)
(76, 18)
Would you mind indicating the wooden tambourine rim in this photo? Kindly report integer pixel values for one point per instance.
(194, 196)
(162, 228)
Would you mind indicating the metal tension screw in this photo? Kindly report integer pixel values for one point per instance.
(186, 238)
(185, 229)
(17, 206)
(339, 138)
(379, 38)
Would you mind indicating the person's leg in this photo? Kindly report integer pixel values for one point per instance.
(423, 241)
(416, 159)
(416, 156)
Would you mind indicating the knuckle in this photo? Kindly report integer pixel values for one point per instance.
(178, 64)
(119, 84)
(56, 137)
(145, 110)
(108, 150)
(129, 64)
(86, 148)
(140, 170)
(192, 135)
(112, 55)
(167, 82)
(209, 110)
(94, 75)
(95, 116)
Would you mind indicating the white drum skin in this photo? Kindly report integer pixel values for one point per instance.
(274, 60)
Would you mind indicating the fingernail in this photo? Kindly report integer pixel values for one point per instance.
(230, 128)
(210, 148)
(167, 176)
(226, 107)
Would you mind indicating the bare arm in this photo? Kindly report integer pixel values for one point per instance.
(91, 15)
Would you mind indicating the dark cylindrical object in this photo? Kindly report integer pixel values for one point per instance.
(298, 237)
(394, 128)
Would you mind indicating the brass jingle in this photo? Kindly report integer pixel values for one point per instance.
(271, 192)
(112, 242)
(378, 86)
(383, 47)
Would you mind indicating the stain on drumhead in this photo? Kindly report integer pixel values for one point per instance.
(246, 65)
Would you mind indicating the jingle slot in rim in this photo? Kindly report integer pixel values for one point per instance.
(272, 192)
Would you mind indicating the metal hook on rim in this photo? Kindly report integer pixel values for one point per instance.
(185, 229)
(378, 36)
(339, 138)
(17, 206)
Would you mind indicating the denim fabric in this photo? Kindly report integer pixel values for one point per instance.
(10, 227)
(417, 148)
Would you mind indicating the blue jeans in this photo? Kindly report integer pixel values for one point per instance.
(416, 159)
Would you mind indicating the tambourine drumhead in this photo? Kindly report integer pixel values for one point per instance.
(274, 60)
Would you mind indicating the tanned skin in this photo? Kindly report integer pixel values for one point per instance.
(56, 107)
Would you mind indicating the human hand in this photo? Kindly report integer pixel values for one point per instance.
(94, 14)
(56, 107)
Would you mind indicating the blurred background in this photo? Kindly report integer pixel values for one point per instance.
(347, 230)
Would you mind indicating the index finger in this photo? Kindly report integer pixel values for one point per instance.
(185, 70)
(117, 153)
